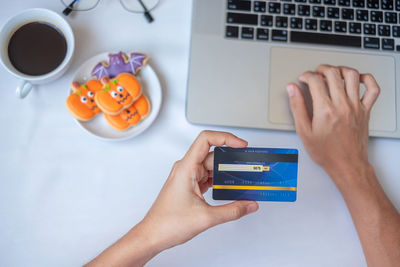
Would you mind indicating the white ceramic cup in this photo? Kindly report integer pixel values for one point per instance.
(13, 24)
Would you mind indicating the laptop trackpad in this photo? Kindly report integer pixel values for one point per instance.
(288, 63)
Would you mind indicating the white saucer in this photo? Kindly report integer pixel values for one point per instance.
(98, 126)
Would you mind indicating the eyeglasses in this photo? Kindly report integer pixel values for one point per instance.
(134, 6)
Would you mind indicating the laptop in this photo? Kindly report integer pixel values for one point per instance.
(243, 53)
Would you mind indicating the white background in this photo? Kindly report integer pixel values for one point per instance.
(65, 195)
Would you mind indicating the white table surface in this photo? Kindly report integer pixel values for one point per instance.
(65, 195)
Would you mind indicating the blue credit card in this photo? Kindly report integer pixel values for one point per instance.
(261, 174)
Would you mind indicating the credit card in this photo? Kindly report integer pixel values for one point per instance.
(260, 174)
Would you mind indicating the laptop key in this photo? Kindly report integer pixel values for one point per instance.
(289, 9)
(303, 10)
(398, 48)
(387, 4)
(262, 34)
(347, 13)
(318, 11)
(396, 31)
(369, 29)
(384, 30)
(325, 39)
(274, 8)
(333, 12)
(358, 3)
(232, 32)
(281, 22)
(296, 23)
(397, 5)
(362, 15)
(330, 2)
(373, 4)
(279, 35)
(371, 43)
(240, 18)
(260, 6)
(266, 20)
(376, 16)
(387, 44)
(355, 27)
(340, 26)
(325, 25)
(311, 24)
(247, 33)
(344, 2)
(315, 1)
(239, 5)
(391, 17)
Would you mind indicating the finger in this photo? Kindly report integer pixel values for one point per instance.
(299, 110)
(209, 161)
(317, 88)
(352, 83)
(372, 92)
(201, 146)
(335, 82)
(204, 186)
(232, 211)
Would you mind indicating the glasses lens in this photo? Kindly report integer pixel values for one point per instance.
(81, 5)
(136, 5)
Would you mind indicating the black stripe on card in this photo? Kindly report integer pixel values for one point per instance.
(228, 157)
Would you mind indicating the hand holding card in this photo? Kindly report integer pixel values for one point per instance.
(180, 211)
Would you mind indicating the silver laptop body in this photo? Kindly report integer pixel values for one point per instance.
(237, 77)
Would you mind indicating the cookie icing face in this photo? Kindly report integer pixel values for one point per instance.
(116, 59)
(87, 98)
(118, 93)
(130, 116)
(81, 103)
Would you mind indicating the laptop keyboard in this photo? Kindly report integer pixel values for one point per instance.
(368, 24)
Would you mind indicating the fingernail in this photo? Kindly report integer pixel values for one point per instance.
(291, 90)
(252, 207)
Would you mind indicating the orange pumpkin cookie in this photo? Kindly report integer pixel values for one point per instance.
(118, 93)
(81, 102)
(130, 116)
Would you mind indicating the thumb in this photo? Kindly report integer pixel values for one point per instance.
(299, 110)
(232, 211)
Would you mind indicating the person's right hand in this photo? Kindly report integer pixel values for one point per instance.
(336, 136)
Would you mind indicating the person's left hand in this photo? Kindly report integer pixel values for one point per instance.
(180, 211)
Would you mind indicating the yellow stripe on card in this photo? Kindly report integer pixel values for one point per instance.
(242, 168)
(254, 187)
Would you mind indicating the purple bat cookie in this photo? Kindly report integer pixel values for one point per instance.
(120, 63)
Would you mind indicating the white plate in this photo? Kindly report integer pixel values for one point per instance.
(98, 126)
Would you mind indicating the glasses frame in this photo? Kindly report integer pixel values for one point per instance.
(69, 8)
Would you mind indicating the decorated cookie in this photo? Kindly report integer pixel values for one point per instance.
(81, 103)
(120, 63)
(142, 106)
(118, 94)
(130, 116)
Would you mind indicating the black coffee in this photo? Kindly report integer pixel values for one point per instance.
(37, 48)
